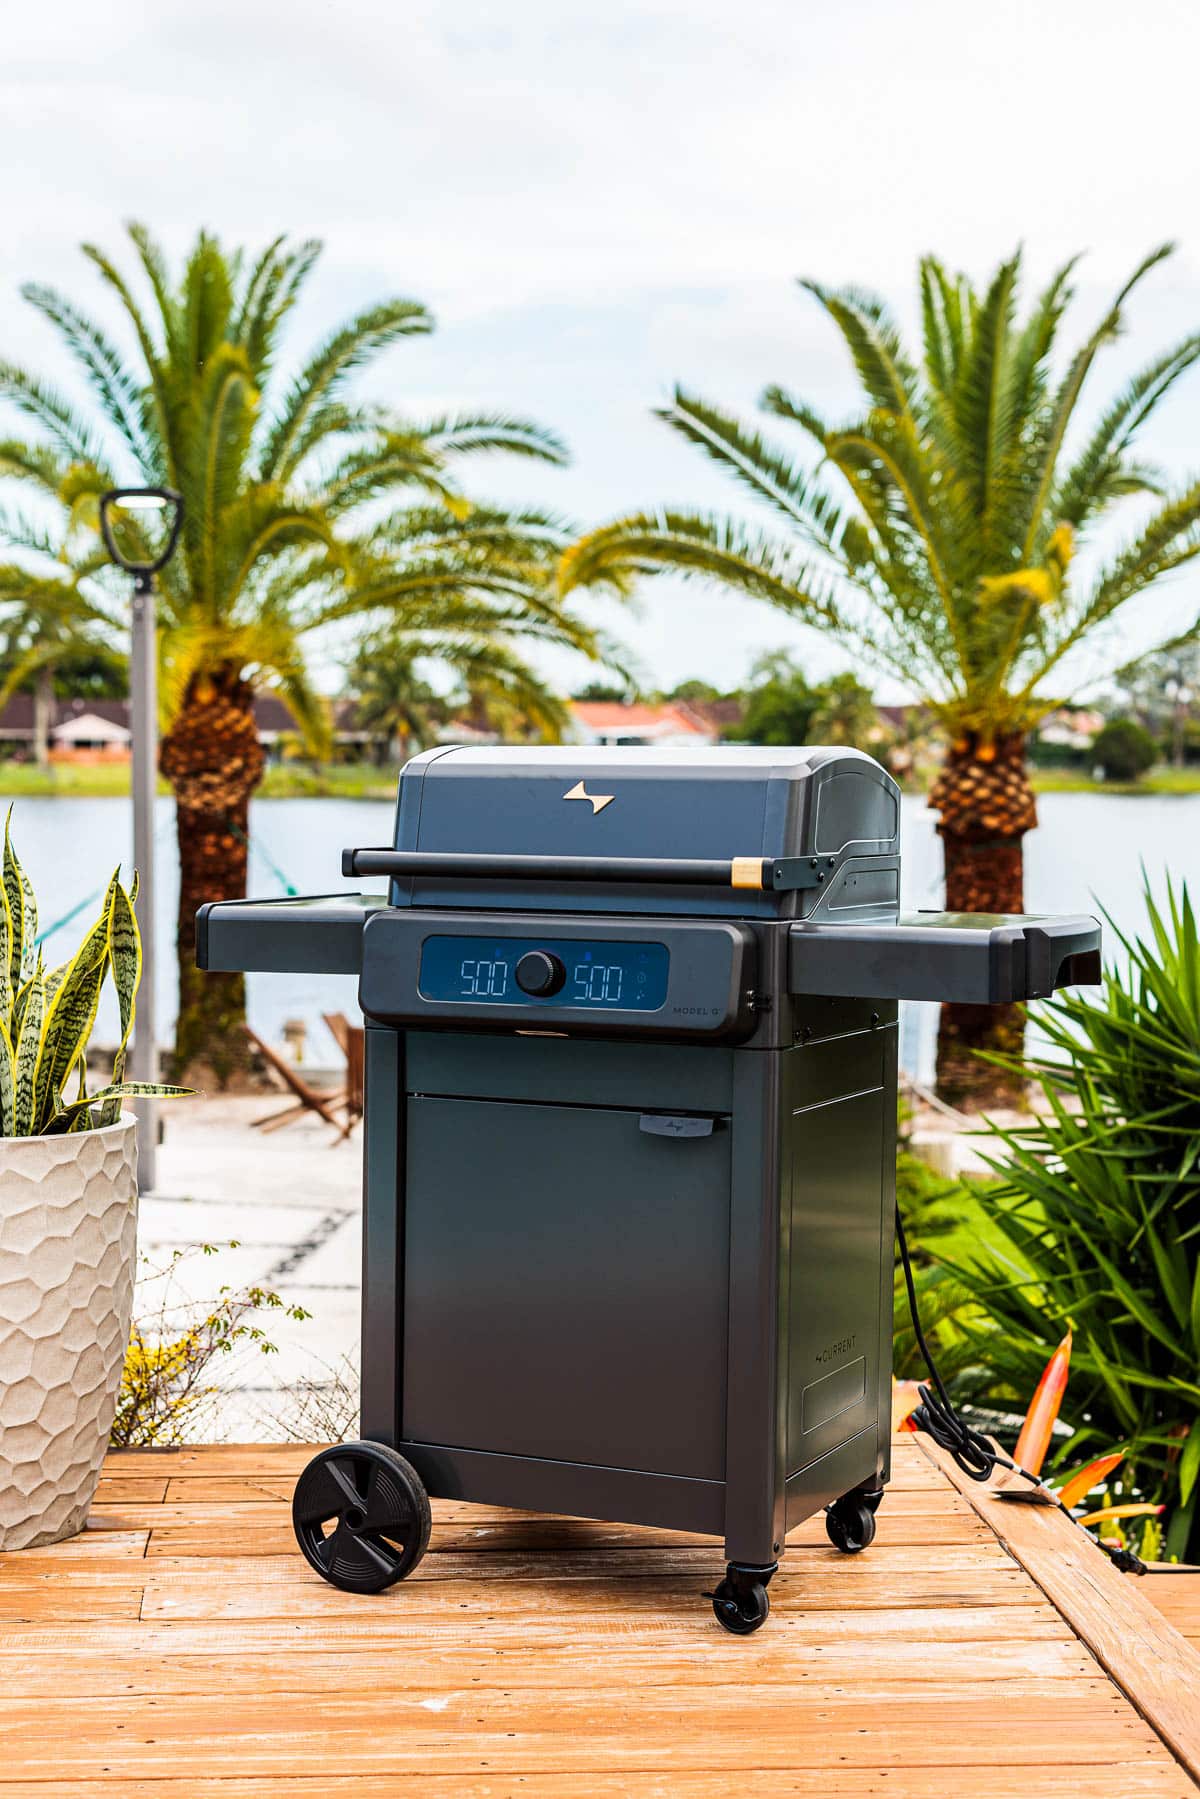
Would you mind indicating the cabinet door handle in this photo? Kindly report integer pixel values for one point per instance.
(675, 1124)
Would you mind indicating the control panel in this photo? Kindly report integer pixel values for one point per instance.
(536, 970)
(577, 976)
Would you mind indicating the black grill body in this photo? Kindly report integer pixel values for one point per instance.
(628, 1235)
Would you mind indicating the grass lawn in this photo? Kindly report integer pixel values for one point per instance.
(1078, 780)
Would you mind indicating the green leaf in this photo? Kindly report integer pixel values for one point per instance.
(1189, 1462)
(14, 893)
(26, 1059)
(71, 1013)
(8, 1088)
(125, 959)
(64, 1118)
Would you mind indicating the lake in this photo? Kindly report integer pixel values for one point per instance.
(1087, 851)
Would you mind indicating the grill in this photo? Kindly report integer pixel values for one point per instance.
(630, 1085)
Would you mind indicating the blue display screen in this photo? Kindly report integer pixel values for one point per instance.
(628, 977)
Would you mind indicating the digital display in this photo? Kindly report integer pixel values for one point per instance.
(540, 971)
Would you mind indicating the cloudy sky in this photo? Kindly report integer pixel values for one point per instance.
(597, 200)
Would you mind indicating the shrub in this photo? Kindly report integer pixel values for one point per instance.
(1124, 749)
(166, 1393)
(1096, 1222)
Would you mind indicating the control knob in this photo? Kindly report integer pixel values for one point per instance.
(540, 974)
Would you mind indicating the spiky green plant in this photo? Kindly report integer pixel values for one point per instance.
(933, 534)
(1095, 1226)
(46, 1015)
(305, 507)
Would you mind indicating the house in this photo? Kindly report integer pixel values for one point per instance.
(608, 722)
(87, 730)
(1070, 728)
(89, 737)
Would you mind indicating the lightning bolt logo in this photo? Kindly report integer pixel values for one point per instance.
(597, 801)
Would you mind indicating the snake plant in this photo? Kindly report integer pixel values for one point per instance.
(47, 1015)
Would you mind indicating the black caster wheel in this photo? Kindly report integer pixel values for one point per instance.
(740, 1603)
(872, 1501)
(850, 1523)
(361, 1516)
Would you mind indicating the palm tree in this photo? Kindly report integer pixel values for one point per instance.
(46, 616)
(392, 696)
(935, 535)
(303, 508)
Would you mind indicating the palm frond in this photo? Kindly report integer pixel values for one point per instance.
(119, 395)
(341, 353)
(62, 423)
(874, 343)
(467, 434)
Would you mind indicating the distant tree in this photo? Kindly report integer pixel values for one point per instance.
(780, 704)
(600, 691)
(392, 699)
(47, 619)
(101, 673)
(845, 713)
(1124, 750)
(933, 533)
(695, 690)
(1163, 690)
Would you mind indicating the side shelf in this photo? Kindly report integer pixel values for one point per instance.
(977, 958)
(322, 935)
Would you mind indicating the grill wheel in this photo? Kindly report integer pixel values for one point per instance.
(361, 1516)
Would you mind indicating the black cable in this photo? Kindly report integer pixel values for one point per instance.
(976, 1455)
(937, 1415)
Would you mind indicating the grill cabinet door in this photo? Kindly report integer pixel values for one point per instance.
(566, 1276)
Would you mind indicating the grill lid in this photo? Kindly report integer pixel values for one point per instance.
(681, 804)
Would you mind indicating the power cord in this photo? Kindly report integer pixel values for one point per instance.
(976, 1455)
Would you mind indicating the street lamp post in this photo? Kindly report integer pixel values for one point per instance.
(143, 709)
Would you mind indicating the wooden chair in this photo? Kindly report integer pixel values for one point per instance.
(351, 1040)
(307, 1099)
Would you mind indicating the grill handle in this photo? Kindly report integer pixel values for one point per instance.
(776, 874)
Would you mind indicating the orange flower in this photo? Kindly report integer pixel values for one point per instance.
(1038, 1427)
(1079, 1485)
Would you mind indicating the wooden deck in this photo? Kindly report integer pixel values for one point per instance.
(181, 1649)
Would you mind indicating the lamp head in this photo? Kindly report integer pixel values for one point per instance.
(161, 506)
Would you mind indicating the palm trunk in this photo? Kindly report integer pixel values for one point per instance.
(986, 806)
(43, 714)
(213, 760)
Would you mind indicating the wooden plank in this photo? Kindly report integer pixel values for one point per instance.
(255, 1459)
(540, 1536)
(534, 1653)
(112, 1488)
(1177, 1597)
(1123, 1780)
(713, 1727)
(933, 1498)
(1151, 1663)
(170, 1597)
(892, 1634)
(580, 1560)
(89, 1546)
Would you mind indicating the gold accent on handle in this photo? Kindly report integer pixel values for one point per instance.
(746, 871)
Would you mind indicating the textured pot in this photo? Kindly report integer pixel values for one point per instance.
(68, 1231)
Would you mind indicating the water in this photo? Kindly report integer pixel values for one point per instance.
(1088, 850)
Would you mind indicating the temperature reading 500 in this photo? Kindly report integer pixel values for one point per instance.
(483, 979)
(596, 982)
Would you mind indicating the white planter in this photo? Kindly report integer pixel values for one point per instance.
(68, 1235)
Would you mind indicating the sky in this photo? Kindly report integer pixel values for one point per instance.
(599, 200)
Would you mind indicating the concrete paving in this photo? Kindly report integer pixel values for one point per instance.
(291, 1202)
